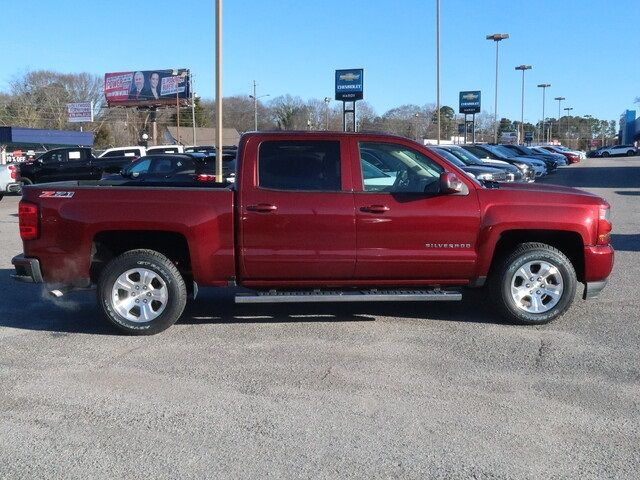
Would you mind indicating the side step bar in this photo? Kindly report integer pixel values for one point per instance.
(374, 295)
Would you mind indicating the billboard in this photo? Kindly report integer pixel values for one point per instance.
(470, 102)
(80, 112)
(150, 88)
(350, 85)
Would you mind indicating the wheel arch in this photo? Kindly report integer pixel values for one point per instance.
(568, 242)
(108, 244)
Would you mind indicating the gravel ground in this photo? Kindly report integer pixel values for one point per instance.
(355, 391)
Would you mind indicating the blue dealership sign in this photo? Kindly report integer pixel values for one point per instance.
(470, 102)
(350, 84)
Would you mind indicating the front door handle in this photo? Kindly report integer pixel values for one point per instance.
(262, 208)
(375, 209)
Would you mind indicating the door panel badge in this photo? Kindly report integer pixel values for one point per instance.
(55, 194)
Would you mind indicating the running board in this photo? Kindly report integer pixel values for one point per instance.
(277, 296)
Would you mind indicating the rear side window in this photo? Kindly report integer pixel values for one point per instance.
(300, 165)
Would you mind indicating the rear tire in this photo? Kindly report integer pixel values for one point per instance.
(533, 284)
(141, 292)
(631, 153)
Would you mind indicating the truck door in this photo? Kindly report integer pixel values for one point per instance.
(296, 210)
(77, 165)
(406, 229)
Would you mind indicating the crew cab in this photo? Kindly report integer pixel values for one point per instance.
(77, 163)
(303, 224)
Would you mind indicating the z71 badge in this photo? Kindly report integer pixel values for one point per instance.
(51, 194)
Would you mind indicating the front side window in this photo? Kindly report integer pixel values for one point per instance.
(408, 171)
(141, 167)
(300, 165)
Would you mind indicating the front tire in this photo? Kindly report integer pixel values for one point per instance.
(141, 292)
(605, 154)
(534, 284)
(631, 153)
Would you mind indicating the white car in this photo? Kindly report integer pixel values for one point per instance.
(8, 183)
(165, 149)
(133, 152)
(627, 150)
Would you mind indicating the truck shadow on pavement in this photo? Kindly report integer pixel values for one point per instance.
(629, 242)
(28, 307)
(595, 177)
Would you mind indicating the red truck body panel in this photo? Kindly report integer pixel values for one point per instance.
(270, 238)
(69, 225)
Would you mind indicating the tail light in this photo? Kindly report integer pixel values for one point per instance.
(604, 225)
(204, 177)
(13, 170)
(28, 220)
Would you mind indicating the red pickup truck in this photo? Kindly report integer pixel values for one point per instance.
(309, 220)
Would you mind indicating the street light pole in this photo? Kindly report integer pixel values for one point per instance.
(544, 87)
(559, 99)
(523, 68)
(496, 37)
(568, 109)
(255, 106)
(326, 107)
(193, 109)
(438, 66)
(219, 90)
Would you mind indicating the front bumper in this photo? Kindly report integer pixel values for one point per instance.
(598, 264)
(27, 269)
(593, 289)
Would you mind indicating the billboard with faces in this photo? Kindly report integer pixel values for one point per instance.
(150, 88)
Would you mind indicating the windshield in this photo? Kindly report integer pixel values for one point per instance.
(497, 153)
(466, 156)
(450, 157)
(507, 152)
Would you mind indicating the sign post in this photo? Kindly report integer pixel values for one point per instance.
(349, 89)
(470, 104)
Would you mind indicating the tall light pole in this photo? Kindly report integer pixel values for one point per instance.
(523, 68)
(255, 106)
(544, 87)
(327, 100)
(438, 66)
(496, 37)
(193, 108)
(219, 91)
(568, 109)
(559, 99)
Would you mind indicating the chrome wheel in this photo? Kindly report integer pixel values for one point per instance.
(139, 295)
(537, 287)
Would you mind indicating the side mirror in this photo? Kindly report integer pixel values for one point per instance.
(450, 183)
(135, 174)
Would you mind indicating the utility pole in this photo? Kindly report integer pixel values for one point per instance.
(568, 109)
(255, 106)
(496, 37)
(523, 68)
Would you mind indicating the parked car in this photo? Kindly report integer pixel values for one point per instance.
(562, 159)
(165, 149)
(177, 168)
(479, 172)
(527, 168)
(303, 225)
(135, 151)
(9, 179)
(551, 160)
(77, 163)
(514, 173)
(619, 150)
(539, 166)
(572, 156)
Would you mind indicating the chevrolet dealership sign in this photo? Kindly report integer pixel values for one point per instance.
(350, 85)
(470, 102)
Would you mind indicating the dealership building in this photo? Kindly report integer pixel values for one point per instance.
(629, 128)
(16, 143)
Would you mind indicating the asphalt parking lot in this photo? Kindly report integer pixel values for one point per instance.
(359, 391)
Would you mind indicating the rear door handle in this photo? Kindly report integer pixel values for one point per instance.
(375, 209)
(262, 208)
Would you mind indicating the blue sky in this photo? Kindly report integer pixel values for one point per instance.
(587, 50)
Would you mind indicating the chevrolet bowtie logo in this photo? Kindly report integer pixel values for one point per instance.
(470, 96)
(349, 77)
